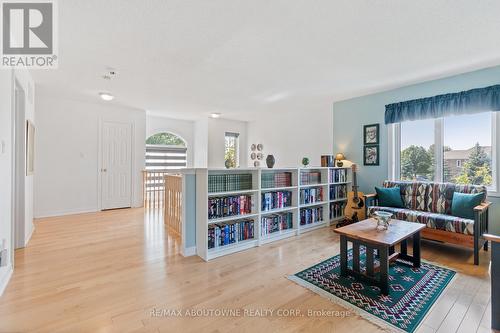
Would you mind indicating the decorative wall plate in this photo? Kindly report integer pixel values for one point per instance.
(260, 147)
(253, 156)
(256, 163)
(260, 156)
(253, 147)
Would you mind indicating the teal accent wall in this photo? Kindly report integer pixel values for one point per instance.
(190, 210)
(349, 116)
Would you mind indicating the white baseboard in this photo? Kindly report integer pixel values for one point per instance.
(5, 275)
(66, 212)
(188, 251)
(28, 237)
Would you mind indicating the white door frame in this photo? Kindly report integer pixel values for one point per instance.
(99, 160)
(18, 166)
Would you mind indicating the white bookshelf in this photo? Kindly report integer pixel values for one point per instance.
(202, 197)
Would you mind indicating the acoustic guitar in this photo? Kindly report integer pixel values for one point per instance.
(355, 207)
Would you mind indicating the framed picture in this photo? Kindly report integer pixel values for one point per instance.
(371, 134)
(371, 155)
(30, 148)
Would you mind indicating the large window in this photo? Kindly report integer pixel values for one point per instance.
(457, 149)
(165, 151)
(231, 150)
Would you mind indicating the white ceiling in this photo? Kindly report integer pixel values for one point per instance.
(188, 58)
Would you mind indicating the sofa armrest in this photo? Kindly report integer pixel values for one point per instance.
(482, 207)
(371, 195)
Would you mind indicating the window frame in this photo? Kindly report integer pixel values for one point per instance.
(394, 152)
(236, 137)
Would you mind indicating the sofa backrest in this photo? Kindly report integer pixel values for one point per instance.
(432, 197)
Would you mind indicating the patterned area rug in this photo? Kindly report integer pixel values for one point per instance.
(412, 292)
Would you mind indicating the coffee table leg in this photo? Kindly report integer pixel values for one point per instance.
(369, 261)
(404, 247)
(384, 270)
(343, 255)
(416, 250)
(355, 256)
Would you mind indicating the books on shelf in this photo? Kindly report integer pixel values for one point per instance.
(338, 175)
(226, 234)
(310, 177)
(311, 195)
(327, 161)
(338, 191)
(311, 215)
(229, 182)
(276, 222)
(276, 200)
(336, 209)
(276, 179)
(234, 205)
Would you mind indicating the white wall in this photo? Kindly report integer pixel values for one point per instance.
(216, 137)
(67, 149)
(182, 128)
(24, 78)
(201, 143)
(292, 136)
(6, 79)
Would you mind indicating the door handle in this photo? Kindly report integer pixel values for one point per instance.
(104, 170)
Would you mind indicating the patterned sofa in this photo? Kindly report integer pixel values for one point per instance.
(430, 204)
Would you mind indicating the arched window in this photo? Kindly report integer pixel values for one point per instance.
(165, 151)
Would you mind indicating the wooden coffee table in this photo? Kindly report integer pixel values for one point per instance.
(382, 241)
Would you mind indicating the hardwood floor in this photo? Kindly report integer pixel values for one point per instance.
(106, 272)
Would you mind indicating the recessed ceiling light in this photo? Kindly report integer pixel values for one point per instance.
(106, 96)
(215, 115)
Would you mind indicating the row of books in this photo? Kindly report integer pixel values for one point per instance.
(229, 182)
(276, 179)
(276, 222)
(226, 234)
(338, 191)
(311, 195)
(276, 200)
(327, 160)
(310, 177)
(219, 207)
(311, 215)
(338, 175)
(336, 209)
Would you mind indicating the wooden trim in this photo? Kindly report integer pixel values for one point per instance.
(492, 238)
(449, 237)
(483, 206)
(371, 195)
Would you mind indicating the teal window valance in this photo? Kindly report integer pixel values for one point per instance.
(464, 102)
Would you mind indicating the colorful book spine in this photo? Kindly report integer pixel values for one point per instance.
(311, 215)
(338, 192)
(276, 179)
(276, 200)
(336, 210)
(311, 195)
(276, 222)
(338, 175)
(225, 234)
(219, 207)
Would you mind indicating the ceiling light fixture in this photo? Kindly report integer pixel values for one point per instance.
(215, 115)
(105, 96)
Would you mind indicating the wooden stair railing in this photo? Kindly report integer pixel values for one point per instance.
(173, 203)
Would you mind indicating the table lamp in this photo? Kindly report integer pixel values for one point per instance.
(339, 157)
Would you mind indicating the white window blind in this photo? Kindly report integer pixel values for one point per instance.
(159, 157)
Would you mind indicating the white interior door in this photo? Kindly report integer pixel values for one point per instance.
(116, 165)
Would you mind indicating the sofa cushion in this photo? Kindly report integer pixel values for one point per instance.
(431, 220)
(413, 193)
(439, 197)
(463, 204)
(389, 196)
